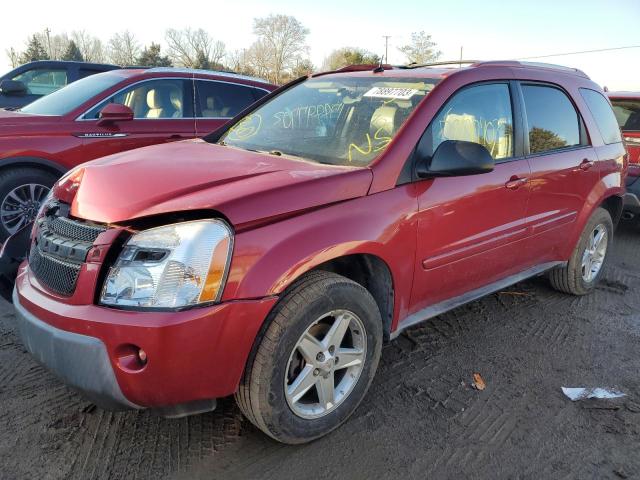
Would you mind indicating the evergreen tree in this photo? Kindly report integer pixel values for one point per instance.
(151, 57)
(35, 51)
(73, 53)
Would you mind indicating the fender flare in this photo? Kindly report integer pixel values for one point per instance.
(30, 161)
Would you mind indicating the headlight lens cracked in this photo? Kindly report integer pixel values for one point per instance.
(173, 266)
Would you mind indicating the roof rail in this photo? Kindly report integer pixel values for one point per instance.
(519, 63)
(437, 64)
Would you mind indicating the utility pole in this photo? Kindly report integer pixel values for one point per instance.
(460, 57)
(47, 32)
(386, 48)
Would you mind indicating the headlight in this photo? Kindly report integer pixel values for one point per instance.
(174, 266)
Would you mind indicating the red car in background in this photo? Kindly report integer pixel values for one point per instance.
(104, 114)
(626, 106)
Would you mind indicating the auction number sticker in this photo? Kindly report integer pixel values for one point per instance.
(390, 92)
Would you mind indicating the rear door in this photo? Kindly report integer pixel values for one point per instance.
(563, 168)
(217, 101)
(163, 112)
(471, 229)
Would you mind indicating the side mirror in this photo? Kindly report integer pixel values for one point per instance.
(456, 158)
(115, 112)
(13, 87)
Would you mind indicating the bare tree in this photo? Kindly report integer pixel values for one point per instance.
(124, 49)
(14, 57)
(194, 48)
(280, 45)
(91, 47)
(421, 49)
(55, 45)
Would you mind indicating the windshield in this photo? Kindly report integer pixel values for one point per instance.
(73, 95)
(340, 121)
(627, 113)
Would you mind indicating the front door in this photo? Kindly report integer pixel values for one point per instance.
(471, 229)
(163, 112)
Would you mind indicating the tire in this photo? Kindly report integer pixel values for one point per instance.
(17, 180)
(571, 277)
(264, 394)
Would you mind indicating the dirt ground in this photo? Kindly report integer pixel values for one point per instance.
(420, 419)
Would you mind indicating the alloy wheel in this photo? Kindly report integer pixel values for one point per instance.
(20, 206)
(593, 256)
(325, 364)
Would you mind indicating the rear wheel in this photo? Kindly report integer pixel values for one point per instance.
(315, 360)
(22, 190)
(584, 269)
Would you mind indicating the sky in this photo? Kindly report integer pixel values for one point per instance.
(484, 29)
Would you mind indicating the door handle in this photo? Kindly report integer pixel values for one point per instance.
(586, 164)
(515, 183)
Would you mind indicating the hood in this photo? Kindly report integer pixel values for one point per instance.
(191, 175)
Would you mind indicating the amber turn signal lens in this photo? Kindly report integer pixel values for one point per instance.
(216, 271)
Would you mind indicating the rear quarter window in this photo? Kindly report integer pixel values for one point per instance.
(603, 114)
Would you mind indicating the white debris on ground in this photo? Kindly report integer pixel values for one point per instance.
(580, 393)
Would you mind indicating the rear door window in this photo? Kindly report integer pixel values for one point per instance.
(216, 99)
(553, 121)
(602, 113)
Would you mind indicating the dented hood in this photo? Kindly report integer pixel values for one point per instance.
(192, 175)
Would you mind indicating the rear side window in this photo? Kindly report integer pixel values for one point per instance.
(603, 115)
(627, 112)
(480, 114)
(42, 81)
(552, 119)
(223, 100)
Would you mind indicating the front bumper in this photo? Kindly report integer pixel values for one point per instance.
(632, 197)
(79, 360)
(193, 356)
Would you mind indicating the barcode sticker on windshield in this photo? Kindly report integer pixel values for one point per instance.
(390, 92)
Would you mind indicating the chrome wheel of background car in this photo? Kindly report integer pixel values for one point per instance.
(594, 254)
(20, 206)
(325, 364)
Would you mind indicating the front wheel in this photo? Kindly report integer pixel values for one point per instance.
(315, 360)
(22, 191)
(581, 274)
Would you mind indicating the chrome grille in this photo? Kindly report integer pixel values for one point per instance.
(73, 230)
(57, 275)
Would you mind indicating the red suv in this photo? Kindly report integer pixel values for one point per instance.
(626, 106)
(273, 258)
(103, 114)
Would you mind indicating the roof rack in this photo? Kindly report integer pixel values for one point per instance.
(438, 64)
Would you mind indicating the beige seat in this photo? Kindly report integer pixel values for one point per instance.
(215, 109)
(383, 121)
(460, 127)
(159, 101)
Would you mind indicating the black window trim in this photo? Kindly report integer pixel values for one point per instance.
(408, 174)
(621, 99)
(585, 138)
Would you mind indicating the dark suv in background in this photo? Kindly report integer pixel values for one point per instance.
(34, 80)
(626, 106)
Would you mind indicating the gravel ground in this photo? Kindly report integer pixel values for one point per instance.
(421, 417)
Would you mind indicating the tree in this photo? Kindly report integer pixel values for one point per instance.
(123, 48)
(14, 57)
(421, 49)
(151, 57)
(73, 53)
(349, 56)
(193, 48)
(91, 47)
(303, 67)
(35, 51)
(279, 47)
